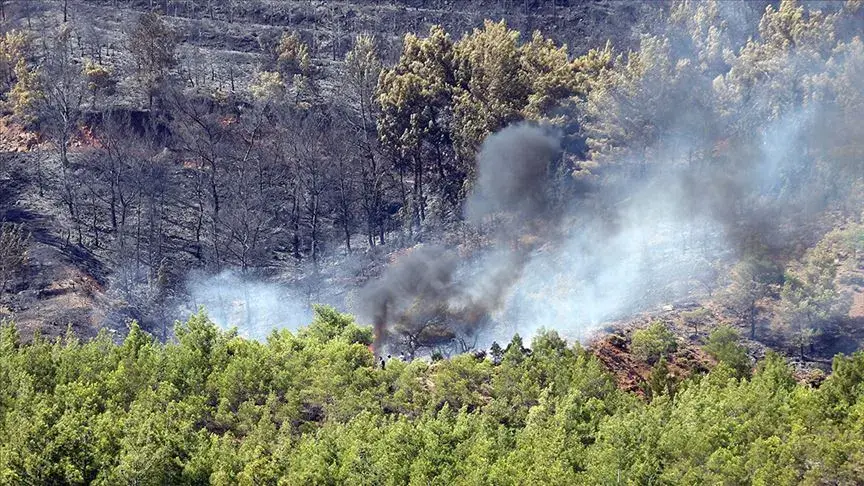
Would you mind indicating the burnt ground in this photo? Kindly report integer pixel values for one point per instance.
(64, 287)
(632, 373)
(62, 284)
(612, 344)
(222, 44)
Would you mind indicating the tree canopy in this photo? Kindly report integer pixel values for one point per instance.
(313, 407)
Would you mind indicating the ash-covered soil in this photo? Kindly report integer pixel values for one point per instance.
(61, 286)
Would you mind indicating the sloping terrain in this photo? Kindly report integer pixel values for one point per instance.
(223, 43)
(62, 283)
(222, 47)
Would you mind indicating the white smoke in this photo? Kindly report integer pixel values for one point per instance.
(667, 235)
(645, 240)
(654, 257)
(252, 306)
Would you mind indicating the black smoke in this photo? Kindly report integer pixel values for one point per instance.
(413, 286)
(513, 174)
(430, 289)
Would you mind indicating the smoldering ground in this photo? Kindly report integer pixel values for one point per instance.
(513, 180)
(651, 239)
(661, 239)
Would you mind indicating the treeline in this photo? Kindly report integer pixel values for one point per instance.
(313, 407)
(810, 298)
(366, 150)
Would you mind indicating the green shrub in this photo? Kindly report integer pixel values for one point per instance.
(654, 341)
(696, 318)
(662, 380)
(723, 345)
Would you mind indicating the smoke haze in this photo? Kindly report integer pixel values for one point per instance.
(513, 174)
(254, 307)
(654, 230)
(694, 188)
(513, 180)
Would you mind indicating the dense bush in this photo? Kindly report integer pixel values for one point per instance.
(312, 407)
(654, 341)
(723, 346)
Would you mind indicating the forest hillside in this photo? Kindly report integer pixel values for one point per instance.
(467, 241)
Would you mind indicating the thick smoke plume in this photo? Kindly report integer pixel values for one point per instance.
(414, 286)
(690, 182)
(513, 174)
(660, 237)
(665, 217)
(424, 295)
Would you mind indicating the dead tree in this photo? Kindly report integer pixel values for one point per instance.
(13, 252)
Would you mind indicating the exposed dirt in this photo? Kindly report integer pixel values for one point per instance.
(857, 309)
(15, 138)
(632, 373)
(612, 347)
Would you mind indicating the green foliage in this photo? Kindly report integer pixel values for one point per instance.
(662, 381)
(414, 95)
(100, 79)
(696, 318)
(443, 98)
(500, 79)
(14, 47)
(723, 345)
(26, 92)
(492, 85)
(267, 85)
(292, 56)
(294, 67)
(811, 302)
(313, 408)
(653, 342)
(153, 46)
(751, 279)
(362, 69)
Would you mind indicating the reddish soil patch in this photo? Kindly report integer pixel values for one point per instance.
(15, 138)
(631, 373)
